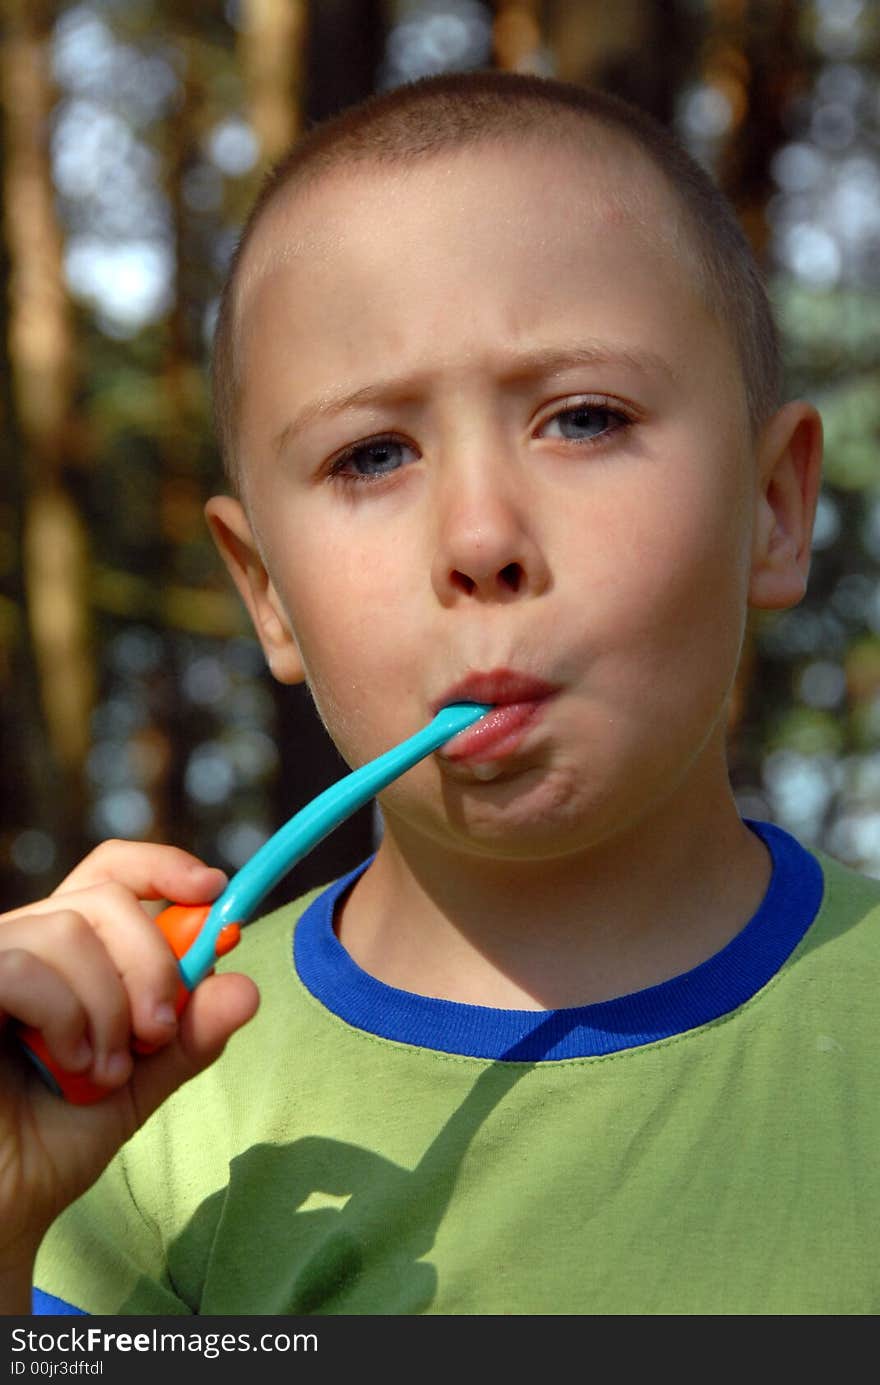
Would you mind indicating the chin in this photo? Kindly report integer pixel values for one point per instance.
(535, 814)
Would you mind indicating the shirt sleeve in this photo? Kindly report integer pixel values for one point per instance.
(102, 1255)
(55, 1307)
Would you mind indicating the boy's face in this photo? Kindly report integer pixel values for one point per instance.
(490, 426)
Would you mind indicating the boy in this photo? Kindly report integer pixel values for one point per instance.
(497, 389)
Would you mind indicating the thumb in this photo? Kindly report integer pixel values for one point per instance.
(218, 1007)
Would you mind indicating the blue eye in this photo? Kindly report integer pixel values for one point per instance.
(583, 422)
(371, 460)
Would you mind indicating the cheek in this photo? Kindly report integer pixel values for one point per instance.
(666, 571)
(342, 596)
(349, 611)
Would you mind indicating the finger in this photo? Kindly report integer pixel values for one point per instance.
(140, 953)
(219, 1006)
(34, 994)
(64, 942)
(149, 870)
(144, 960)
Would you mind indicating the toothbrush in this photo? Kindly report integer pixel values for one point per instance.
(200, 933)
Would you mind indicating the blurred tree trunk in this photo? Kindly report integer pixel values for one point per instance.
(40, 347)
(180, 500)
(28, 770)
(516, 35)
(344, 48)
(641, 50)
(271, 46)
(752, 56)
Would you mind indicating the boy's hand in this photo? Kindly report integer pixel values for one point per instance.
(89, 969)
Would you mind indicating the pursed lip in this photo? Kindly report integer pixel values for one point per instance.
(500, 687)
(517, 701)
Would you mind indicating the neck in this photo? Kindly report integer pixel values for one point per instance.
(625, 912)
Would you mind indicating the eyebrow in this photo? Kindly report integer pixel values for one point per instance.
(539, 363)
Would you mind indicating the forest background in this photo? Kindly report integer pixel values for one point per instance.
(134, 135)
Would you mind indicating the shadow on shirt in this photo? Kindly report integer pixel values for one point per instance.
(323, 1226)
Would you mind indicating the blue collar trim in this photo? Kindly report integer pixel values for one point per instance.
(714, 988)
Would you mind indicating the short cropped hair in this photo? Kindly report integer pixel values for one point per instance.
(457, 110)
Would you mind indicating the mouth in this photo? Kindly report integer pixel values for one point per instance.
(518, 701)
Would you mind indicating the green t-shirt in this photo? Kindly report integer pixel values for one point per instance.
(707, 1146)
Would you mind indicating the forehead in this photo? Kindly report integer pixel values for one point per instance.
(435, 260)
(493, 190)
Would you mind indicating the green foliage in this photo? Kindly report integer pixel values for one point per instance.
(851, 415)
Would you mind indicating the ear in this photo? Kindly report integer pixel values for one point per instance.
(789, 475)
(234, 537)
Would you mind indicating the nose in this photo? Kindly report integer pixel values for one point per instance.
(487, 546)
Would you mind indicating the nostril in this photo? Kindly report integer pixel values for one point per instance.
(462, 582)
(511, 576)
